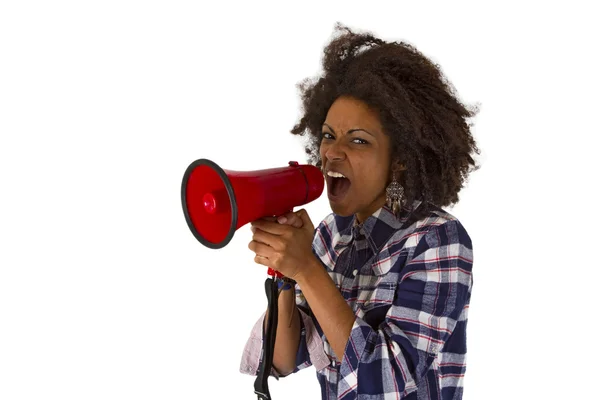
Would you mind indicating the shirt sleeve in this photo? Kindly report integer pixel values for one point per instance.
(432, 292)
(310, 349)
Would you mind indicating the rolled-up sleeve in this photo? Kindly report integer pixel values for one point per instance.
(310, 349)
(433, 290)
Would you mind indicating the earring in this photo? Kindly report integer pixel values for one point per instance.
(395, 195)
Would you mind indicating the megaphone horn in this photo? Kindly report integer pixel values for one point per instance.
(217, 202)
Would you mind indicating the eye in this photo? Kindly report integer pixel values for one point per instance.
(326, 135)
(360, 141)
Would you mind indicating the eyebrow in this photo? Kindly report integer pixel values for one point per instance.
(351, 130)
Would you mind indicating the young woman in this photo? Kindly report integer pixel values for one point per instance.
(382, 285)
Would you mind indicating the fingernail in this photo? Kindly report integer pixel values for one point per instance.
(282, 220)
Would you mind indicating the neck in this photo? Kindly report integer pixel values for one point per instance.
(362, 216)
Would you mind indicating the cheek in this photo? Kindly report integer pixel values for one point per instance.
(374, 174)
(372, 177)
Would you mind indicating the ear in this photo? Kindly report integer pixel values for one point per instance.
(397, 166)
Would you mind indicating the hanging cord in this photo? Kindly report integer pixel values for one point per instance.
(261, 385)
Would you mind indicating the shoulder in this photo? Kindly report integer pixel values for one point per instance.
(446, 227)
(435, 228)
(444, 251)
(435, 219)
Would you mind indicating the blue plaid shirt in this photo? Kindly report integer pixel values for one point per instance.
(409, 285)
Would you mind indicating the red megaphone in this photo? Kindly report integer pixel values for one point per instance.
(216, 202)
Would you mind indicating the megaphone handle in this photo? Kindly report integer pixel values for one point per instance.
(271, 271)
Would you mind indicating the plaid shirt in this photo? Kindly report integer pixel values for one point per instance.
(409, 285)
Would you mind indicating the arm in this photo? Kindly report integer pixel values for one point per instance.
(430, 297)
(299, 345)
(329, 307)
(305, 349)
(310, 347)
(287, 338)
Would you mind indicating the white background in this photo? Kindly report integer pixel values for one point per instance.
(105, 293)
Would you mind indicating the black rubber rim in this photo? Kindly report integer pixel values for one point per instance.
(232, 203)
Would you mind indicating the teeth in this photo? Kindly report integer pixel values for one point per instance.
(335, 174)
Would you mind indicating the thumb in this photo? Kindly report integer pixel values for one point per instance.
(306, 222)
(290, 218)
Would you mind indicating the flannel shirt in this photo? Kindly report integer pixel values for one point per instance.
(409, 284)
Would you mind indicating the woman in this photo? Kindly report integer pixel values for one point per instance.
(382, 285)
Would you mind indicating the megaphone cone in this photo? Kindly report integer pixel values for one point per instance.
(217, 202)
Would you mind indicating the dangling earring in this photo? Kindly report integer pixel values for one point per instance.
(395, 195)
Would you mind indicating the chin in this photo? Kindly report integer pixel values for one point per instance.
(341, 210)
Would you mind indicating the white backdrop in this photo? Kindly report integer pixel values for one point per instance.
(105, 293)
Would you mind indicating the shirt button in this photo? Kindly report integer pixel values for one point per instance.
(355, 272)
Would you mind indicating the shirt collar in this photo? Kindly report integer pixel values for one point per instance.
(376, 229)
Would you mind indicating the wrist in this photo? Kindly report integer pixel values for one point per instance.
(309, 270)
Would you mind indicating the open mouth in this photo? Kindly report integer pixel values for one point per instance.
(337, 185)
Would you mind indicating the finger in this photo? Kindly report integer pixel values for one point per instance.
(303, 214)
(262, 260)
(271, 227)
(261, 249)
(267, 238)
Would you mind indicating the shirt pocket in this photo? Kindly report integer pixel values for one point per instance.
(381, 295)
(373, 304)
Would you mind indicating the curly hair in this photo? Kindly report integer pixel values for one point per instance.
(416, 104)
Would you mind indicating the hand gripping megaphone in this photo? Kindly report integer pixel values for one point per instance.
(217, 202)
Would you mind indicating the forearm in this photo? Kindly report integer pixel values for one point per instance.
(330, 309)
(288, 336)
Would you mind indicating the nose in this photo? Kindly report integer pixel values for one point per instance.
(334, 152)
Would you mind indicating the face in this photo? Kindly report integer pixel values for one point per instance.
(355, 147)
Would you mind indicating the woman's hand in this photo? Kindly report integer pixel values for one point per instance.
(284, 245)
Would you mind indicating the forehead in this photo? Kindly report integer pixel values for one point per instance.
(347, 113)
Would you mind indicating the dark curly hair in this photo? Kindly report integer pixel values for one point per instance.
(428, 125)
